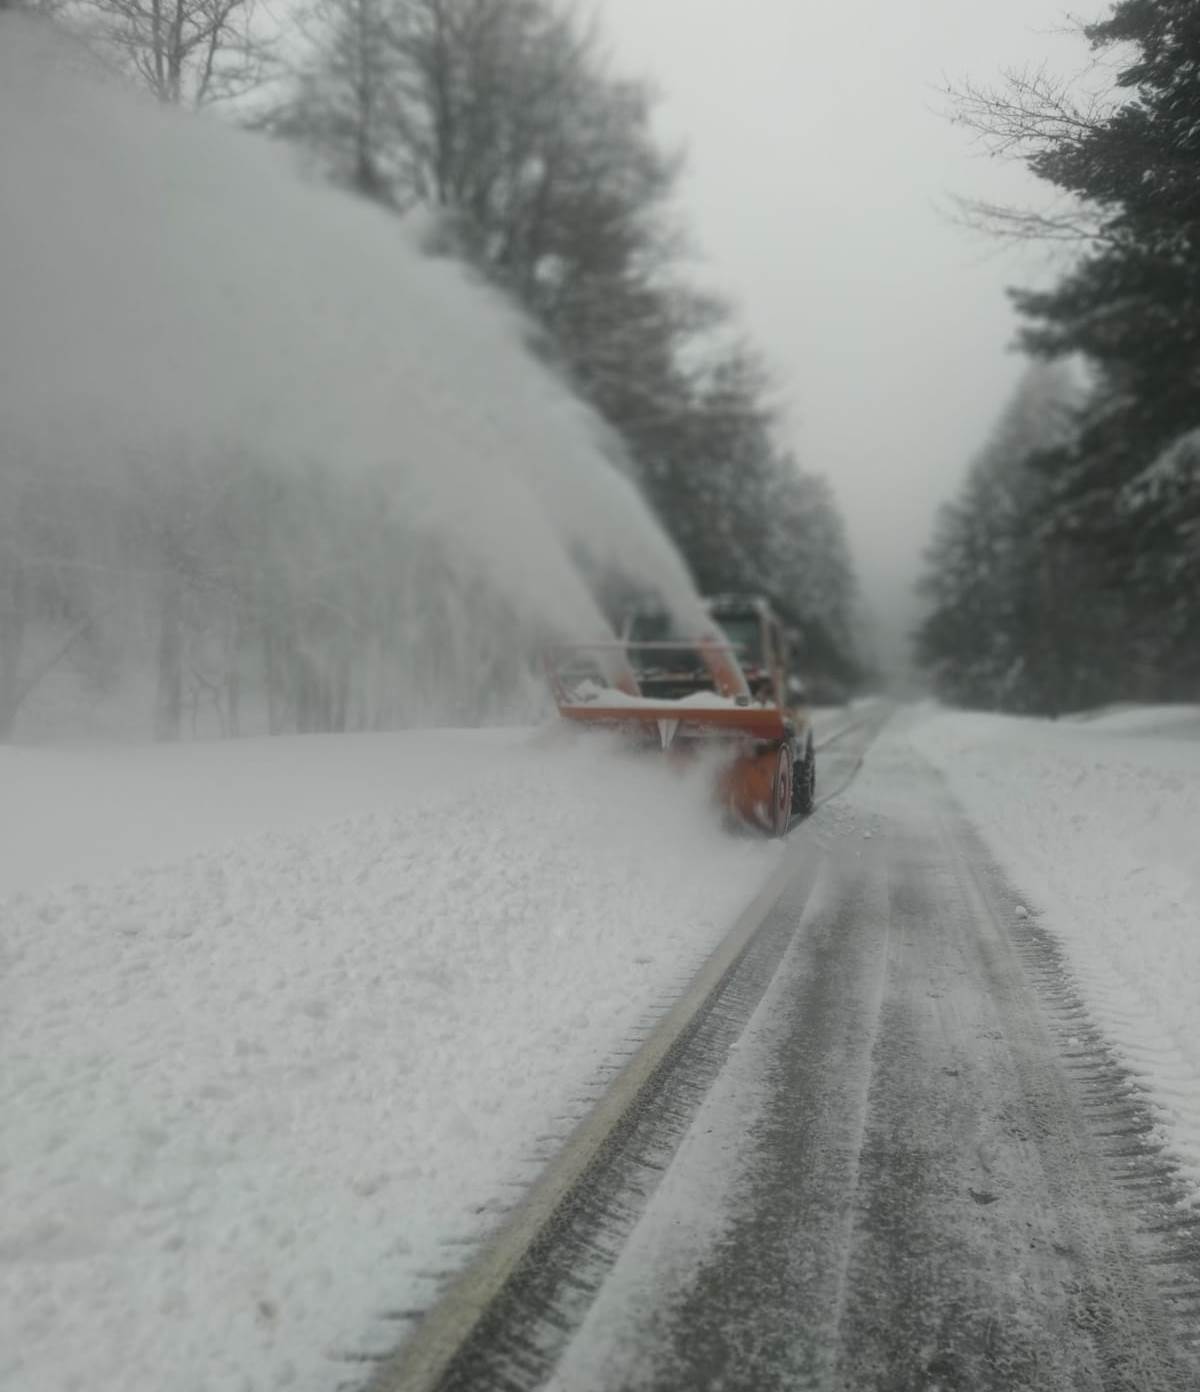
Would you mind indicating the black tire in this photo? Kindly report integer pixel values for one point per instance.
(783, 792)
(804, 783)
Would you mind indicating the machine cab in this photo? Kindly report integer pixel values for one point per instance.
(749, 625)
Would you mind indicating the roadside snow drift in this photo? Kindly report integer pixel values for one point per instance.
(1099, 822)
(249, 1095)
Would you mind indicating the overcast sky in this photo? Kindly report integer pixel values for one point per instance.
(821, 169)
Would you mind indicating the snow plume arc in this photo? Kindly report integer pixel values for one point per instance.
(172, 288)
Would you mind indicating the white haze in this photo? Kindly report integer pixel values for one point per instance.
(173, 290)
(822, 169)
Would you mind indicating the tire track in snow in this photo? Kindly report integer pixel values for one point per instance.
(1011, 1218)
(502, 1322)
(1123, 1115)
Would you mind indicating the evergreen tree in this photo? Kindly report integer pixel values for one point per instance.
(1011, 623)
(1131, 305)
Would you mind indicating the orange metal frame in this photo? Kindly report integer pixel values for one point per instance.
(756, 783)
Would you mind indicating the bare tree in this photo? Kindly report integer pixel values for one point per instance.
(187, 52)
(351, 104)
(48, 603)
(1031, 116)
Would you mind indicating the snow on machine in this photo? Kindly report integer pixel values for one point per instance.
(727, 689)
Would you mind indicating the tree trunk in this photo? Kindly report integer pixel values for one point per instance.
(233, 679)
(168, 716)
(13, 619)
(304, 694)
(341, 696)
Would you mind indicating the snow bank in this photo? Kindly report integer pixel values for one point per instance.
(92, 814)
(1172, 722)
(250, 1095)
(1101, 827)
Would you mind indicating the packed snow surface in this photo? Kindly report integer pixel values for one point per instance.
(1098, 821)
(280, 1020)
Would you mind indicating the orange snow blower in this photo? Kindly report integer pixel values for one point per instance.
(728, 689)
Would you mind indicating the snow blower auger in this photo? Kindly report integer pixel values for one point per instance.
(685, 696)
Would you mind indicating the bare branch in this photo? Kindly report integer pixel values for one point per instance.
(1077, 226)
(1031, 111)
(43, 669)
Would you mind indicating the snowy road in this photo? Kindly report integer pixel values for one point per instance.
(895, 1154)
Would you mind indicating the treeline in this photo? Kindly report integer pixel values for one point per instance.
(537, 164)
(540, 164)
(1067, 573)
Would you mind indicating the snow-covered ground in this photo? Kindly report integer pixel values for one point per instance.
(280, 1019)
(1098, 821)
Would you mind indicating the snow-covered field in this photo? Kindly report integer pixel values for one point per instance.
(1098, 821)
(280, 1019)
